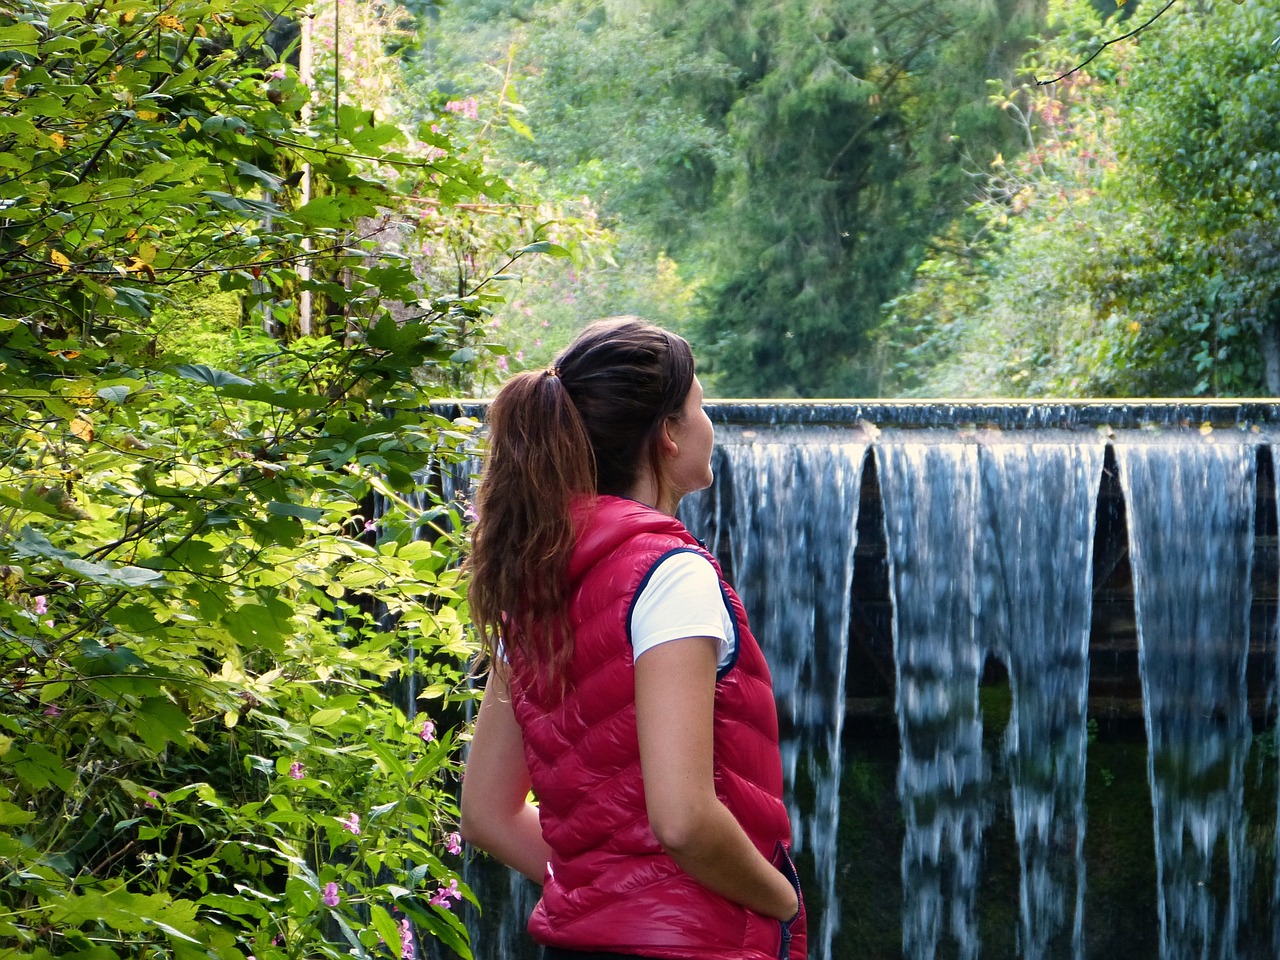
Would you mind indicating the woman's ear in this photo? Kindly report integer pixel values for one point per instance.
(667, 445)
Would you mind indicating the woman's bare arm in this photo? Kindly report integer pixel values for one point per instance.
(497, 816)
(675, 694)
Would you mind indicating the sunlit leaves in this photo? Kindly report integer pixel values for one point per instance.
(190, 571)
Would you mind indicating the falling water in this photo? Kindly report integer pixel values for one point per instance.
(1034, 571)
(990, 550)
(1191, 518)
(930, 500)
(784, 515)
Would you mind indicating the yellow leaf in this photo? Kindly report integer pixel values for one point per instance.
(61, 259)
(59, 141)
(82, 428)
(11, 82)
(146, 114)
(170, 21)
(1206, 428)
(140, 54)
(1134, 326)
(147, 252)
(998, 161)
(136, 265)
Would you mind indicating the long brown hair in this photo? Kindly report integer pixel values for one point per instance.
(587, 425)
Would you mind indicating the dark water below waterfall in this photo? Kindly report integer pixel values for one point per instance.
(1025, 680)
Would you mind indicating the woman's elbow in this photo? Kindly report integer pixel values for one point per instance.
(677, 828)
(473, 824)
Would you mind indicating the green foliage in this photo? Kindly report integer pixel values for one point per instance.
(215, 661)
(197, 626)
(145, 149)
(789, 158)
(849, 131)
(1133, 250)
(538, 92)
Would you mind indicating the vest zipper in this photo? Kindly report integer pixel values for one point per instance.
(784, 950)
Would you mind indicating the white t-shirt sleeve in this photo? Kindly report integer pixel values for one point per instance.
(682, 598)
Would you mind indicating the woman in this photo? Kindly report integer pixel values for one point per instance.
(625, 687)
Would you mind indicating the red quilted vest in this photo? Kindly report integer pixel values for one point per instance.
(609, 885)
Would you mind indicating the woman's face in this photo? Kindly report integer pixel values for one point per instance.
(689, 467)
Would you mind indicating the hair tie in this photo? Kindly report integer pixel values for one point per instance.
(553, 372)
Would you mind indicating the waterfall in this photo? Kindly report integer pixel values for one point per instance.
(930, 500)
(783, 516)
(990, 547)
(1192, 595)
(1035, 577)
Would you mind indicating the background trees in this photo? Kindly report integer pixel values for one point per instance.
(1130, 251)
(790, 158)
(847, 195)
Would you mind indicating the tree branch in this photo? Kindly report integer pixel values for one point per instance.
(1132, 33)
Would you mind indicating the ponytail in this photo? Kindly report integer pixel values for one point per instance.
(538, 463)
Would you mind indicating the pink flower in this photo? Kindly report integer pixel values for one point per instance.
(351, 823)
(370, 526)
(468, 108)
(453, 843)
(428, 732)
(295, 770)
(277, 72)
(330, 897)
(443, 895)
(154, 796)
(502, 364)
(406, 940)
(53, 710)
(42, 605)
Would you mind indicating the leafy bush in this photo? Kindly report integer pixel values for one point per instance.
(232, 634)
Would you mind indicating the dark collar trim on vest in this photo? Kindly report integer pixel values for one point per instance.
(721, 671)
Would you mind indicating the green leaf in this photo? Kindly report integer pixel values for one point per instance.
(20, 38)
(268, 180)
(32, 543)
(38, 767)
(115, 394)
(387, 928)
(111, 576)
(545, 246)
(325, 718)
(14, 816)
(159, 721)
(201, 373)
(99, 659)
(281, 509)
